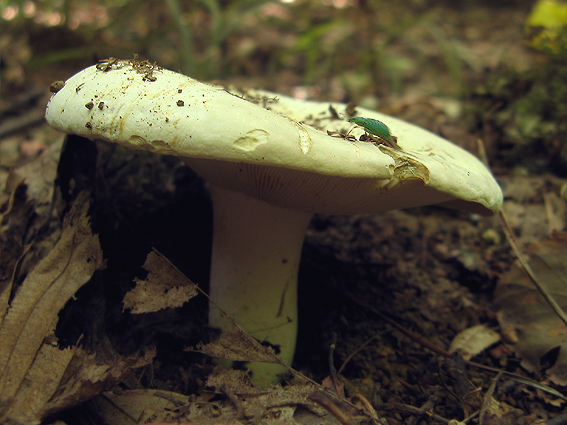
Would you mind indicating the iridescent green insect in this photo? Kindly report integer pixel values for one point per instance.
(375, 127)
(376, 131)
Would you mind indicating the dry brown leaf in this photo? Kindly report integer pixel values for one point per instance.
(527, 221)
(556, 212)
(43, 293)
(28, 208)
(38, 378)
(136, 406)
(85, 378)
(16, 213)
(532, 220)
(39, 175)
(237, 345)
(525, 315)
(165, 287)
(42, 381)
(474, 340)
(236, 381)
(27, 364)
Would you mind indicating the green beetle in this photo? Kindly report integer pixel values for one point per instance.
(376, 131)
(375, 127)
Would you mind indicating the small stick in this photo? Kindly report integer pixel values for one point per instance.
(426, 409)
(403, 408)
(359, 349)
(235, 401)
(322, 400)
(488, 397)
(332, 366)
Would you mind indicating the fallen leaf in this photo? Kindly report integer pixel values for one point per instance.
(234, 380)
(37, 378)
(474, 340)
(26, 209)
(527, 317)
(86, 377)
(237, 345)
(39, 176)
(136, 406)
(165, 287)
(15, 216)
(35, 306)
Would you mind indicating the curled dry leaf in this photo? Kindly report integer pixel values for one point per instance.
(165, 287)
(38, 176)
(14, 218)
(31, 313)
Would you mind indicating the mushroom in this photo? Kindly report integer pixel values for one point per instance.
(268, 174)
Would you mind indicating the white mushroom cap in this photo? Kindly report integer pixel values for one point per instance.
(231, 142)
(443, 165)
(174, 114)
(268, 173)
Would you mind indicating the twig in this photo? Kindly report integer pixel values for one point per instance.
(404, 408)
(358, 350)
(471, 417)
(488, 398)
(426, 409)
(332, 366)
(363, 404)
(235, 401)
(324, 401)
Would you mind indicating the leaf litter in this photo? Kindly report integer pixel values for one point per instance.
(37, 376)
(244, 401)
(32, 312)
(295, 403)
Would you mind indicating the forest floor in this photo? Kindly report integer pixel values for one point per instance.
(390, 296)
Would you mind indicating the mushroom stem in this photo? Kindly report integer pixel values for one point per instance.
(255, 259)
